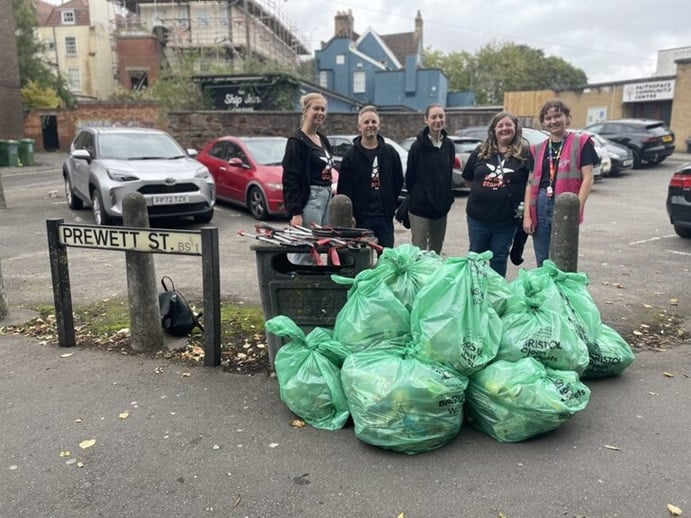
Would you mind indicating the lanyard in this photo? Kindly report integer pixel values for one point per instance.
(554, 160)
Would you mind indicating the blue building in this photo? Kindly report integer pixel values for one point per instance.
(384, 70)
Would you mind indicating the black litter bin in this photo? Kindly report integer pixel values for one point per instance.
(306, 294)
(26, 151)
(8, 153)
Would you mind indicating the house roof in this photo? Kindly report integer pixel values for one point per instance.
(401, 44)
(81, 12)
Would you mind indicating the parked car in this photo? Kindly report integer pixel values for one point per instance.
(679, 201)
(621, 156)
(650, 140)
(464, 147)
(105, 164)
(248, 172)
(478, 132)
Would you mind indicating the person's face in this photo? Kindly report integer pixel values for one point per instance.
(505, 130)
(315, 113)
(555, 121)
(368, 125)
(435, 119)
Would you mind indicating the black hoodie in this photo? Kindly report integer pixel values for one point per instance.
(429, 176)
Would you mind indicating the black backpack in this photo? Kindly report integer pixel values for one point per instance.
(177, 318)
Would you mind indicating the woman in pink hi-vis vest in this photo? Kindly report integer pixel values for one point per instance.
(563, 163)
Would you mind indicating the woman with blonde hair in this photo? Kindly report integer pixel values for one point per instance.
(308, 167)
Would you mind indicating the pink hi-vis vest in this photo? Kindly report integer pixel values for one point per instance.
(568, 177)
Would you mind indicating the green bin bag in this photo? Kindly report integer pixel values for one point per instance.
(610, 354)
(514, 401)
(309, 377)
(452, 320)
(401, 402)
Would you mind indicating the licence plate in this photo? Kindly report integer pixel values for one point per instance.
(626, 163)
(667, 138)
(170, 199)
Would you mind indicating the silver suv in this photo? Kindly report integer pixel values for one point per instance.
(104, 164)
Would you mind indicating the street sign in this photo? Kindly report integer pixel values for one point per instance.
(131, 239)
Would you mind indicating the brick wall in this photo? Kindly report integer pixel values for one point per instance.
(143, 114)
(194, 129)
(681, 108)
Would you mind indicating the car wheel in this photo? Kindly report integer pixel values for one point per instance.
(256, 203)
(205, 217)
(637, 162)
(73, 202)
(100, 216)
(683, 232)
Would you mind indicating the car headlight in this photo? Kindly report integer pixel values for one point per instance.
(121, 176)
(202, 172)
(275, 186)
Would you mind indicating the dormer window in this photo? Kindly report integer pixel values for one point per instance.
(68, 17)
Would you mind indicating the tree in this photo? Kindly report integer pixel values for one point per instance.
(500, 67)
(29, 50)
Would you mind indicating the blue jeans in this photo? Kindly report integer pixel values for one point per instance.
(496, 237)
(382, 228)
(543, 226)
(316, 211)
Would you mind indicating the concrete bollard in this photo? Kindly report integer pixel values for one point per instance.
(142, 295)
(563, 247)
(341, 211)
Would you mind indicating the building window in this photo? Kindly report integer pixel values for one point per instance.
(340, 59)
(68, 17)
(70, 45)
(74, 82)
(139, 79)
(323, 79)
(359, 82)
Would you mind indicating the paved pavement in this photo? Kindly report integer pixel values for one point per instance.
(199, 442)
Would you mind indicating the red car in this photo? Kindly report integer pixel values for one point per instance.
(248, 172)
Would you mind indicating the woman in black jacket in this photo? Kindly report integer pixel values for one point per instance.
(308, 167)
(429, 181)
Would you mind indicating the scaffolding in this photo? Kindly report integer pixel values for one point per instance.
(224, 30)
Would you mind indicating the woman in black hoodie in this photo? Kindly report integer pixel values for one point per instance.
(429, 181)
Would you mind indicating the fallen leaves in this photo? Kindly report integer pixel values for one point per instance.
(297, 423)
(674, 510)
(668, 374)
(124, 415)
(665, 331)
(88, 443)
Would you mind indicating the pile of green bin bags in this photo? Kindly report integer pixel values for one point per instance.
(424, 341)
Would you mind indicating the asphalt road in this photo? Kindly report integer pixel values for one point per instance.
(217, 444)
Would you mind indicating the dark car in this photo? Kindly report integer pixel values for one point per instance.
(651, 141)
(679, 201)
(248, 172)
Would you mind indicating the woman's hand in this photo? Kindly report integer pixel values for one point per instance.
(296, 221)
(528, 226)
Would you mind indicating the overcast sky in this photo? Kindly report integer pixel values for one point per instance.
(609, 40)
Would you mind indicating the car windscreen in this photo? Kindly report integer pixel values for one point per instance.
(266, 152)
(138, 146)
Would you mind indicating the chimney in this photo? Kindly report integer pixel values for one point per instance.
(343, 24)
(418, 30)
